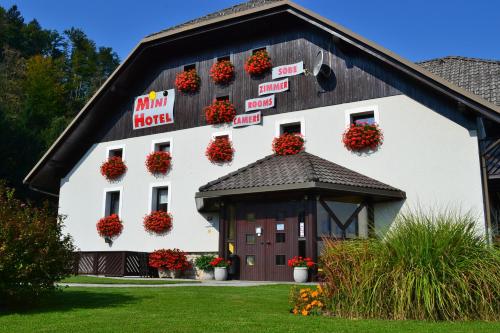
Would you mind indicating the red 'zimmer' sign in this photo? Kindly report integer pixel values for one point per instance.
(260, 103)
(273, 87)
(149, 112)
(288, 70)
(247, 119)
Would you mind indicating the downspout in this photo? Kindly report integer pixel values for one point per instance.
(481, 134)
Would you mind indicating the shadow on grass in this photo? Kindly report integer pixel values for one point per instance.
(68, 299)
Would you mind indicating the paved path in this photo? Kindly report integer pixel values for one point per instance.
(208, 283)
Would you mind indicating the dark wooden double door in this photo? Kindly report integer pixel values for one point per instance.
(267, 237)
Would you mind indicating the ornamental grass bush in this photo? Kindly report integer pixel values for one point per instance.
(34, 252)
(430, 266)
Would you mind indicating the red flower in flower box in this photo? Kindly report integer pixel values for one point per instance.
(158, 222)
(158, 162)
(258, 63)
(173, 260)
(288, 144)
(362, 136)
(299, 261)
(220, 150)
(113, 168)
(188, 81)
(110, 226)
(222, 72)
(220, 262)
(220, 112)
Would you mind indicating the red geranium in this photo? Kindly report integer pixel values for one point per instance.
(362, 136)
(109, 226)
(113, 168)
(299, 261)
(158, 222)
(158, 162)
(222, 71)
(220, 262)
(220, 112)
(173, 260)
(288, 144)
(258, 63)
(220, 150)
(187, 81)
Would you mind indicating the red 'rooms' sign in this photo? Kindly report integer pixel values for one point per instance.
(154, 109)
(260, 103)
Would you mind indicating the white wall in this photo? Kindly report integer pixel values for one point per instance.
(430, 157)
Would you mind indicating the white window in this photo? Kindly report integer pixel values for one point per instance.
(291, 126)
(367, 114)
(162, 145)
(159, 197)
(227, 134)
(112, 201)
(115, 151)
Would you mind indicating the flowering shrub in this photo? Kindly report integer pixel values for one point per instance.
(222, 71)
(258, 63)
(299, 261)
(220, 262)
(187, 81)
(158, 162)
(158, 222)
(110, 226)
(113, 168)
(288, 144)
(220, 112)
(220, 150)
(306, 301)
(361, 136)
(173, 260)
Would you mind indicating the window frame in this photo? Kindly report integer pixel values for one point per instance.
(116, 147)
(362, 110)
(156, 142)
(105, 200)
(153, 198)
(223, 133)
(260, 48)
(290, 121)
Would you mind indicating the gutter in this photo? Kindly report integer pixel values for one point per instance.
(43, 192)
(484, 181)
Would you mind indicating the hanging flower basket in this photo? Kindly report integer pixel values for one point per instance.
(222, 72)
(158, 162)
(158, 222)
(258, 63)
(362, 136)
(220, 150)
(220, 112)
(187, 81)
(113, 168)
(110, 226)
(171, 259)
(288, 144)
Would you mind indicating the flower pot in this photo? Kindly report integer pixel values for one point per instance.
(220, 273)
(300, 274)
(165, 273)
(207, 275)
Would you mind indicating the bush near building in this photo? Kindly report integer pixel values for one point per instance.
(34, 253)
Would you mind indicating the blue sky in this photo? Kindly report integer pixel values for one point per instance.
(416, 30)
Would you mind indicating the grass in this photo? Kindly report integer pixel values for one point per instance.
(197, 309)
(105, 280)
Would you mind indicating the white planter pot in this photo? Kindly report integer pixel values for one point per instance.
(220, 273)
(207, 275)
(300, 274)
(165, 273)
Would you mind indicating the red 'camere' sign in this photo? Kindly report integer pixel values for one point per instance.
(150, 112)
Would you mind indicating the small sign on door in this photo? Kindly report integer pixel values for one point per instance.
(302, 230)
(280, 227)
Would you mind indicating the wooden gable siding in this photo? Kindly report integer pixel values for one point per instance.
(355, 76)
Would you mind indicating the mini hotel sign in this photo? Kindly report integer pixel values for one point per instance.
(154, 109)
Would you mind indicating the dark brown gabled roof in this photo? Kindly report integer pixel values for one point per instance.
(479, 76)
(303, 170)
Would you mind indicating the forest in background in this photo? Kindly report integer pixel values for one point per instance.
(46, 77)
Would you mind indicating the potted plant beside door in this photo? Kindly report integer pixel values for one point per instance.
(301, 267)
(220, 266)
(203, 264)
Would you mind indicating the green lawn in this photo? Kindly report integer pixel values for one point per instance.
(196, 309)
(105, 280)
